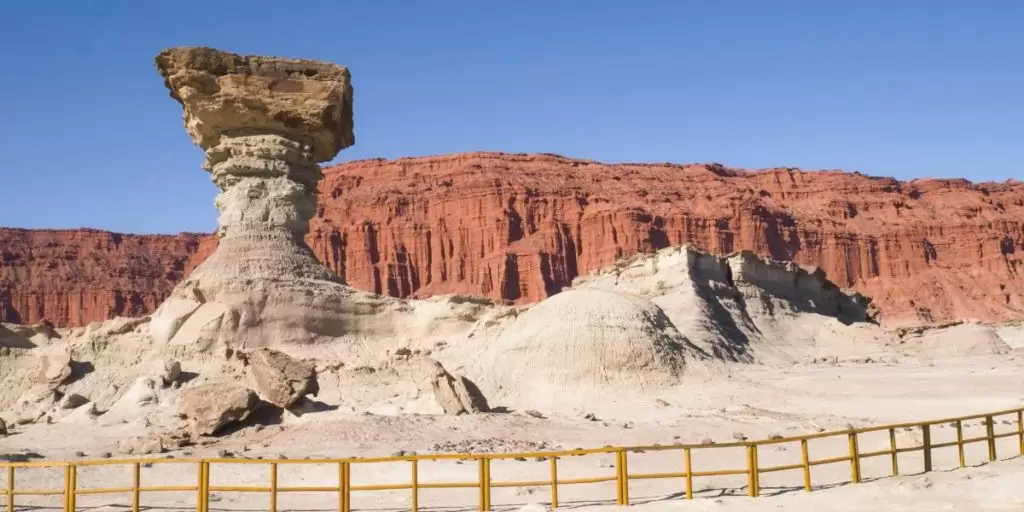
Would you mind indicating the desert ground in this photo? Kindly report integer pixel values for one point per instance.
(755, 401)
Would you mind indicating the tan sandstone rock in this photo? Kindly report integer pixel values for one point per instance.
(54, 368)
(454, 393)
(265, 123)
(210, 407)
(223, 92)
(280, 379)
(142, 445)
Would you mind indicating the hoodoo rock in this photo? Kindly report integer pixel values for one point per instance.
(264, 123)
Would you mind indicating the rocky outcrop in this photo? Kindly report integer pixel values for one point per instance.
(74, 277)
(280, 379)
(54, 368)
(455, 394)
(210, 407)
(521, 227)
(264, 123)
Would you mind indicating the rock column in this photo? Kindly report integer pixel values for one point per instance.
(264, 123)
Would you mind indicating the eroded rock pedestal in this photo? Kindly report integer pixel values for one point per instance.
(264, 123)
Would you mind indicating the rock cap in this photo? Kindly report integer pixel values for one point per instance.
(305, 100)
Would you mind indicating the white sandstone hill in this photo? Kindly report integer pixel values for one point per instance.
(679, 317)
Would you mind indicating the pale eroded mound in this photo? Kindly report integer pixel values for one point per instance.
(583, 342)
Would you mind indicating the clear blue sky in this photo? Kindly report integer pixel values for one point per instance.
(904, 88)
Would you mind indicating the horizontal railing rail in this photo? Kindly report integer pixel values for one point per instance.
(484, 483)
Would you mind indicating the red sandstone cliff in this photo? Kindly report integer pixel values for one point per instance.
(519, 227)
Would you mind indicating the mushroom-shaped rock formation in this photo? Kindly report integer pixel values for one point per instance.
(264, 123)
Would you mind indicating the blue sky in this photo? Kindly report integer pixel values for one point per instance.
(908, 88)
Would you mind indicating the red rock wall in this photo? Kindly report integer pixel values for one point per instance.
(520, 227)
(76, 276)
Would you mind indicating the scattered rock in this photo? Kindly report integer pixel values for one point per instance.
(280, 379)
(142, 445)
(489, 445)
(455, 394)
(707, 440)
(73, 401)
(403, 352)
(210, 407)
(3, 428)
(661, 403)
(54, 368)
(590, 416)
(168, 372)
(79, 454)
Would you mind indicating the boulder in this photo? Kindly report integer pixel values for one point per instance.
(142, 445)
(3, 428)
(455, 394)
(54, 368)
(168, 371)
(280, 379)
(73, 401)
(210, 407)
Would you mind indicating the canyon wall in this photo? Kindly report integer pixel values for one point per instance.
(520, 227)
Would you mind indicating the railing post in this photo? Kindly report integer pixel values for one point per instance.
(10, 488)
(485, 483)
(136, 483)
(854, 458)
(415, 485)
(203, 494)
(960, 442)
(273, 487)
(990, 434)
(1020, 430)
(926, 431)
(752, 470)
(554, 482)
(67, 485)
(895, 452)
(72, 489)
(805, 458)
(344, 487)
(622, 476)
(688, 463)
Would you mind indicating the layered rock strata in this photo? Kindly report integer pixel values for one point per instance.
(264, 124)
(521, 227)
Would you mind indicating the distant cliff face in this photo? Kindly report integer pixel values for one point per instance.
(76, 276)
(520, 227)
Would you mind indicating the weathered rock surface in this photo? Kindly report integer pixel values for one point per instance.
(521, 227)
(280, 379)
(454, 393)
(264, 123)
(54, 368)
(74, 277)
(142, 445)
(223, 93)
(210, 407)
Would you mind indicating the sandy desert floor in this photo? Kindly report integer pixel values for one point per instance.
(752, 401)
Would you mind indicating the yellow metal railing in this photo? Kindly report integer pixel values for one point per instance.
(203, 488)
